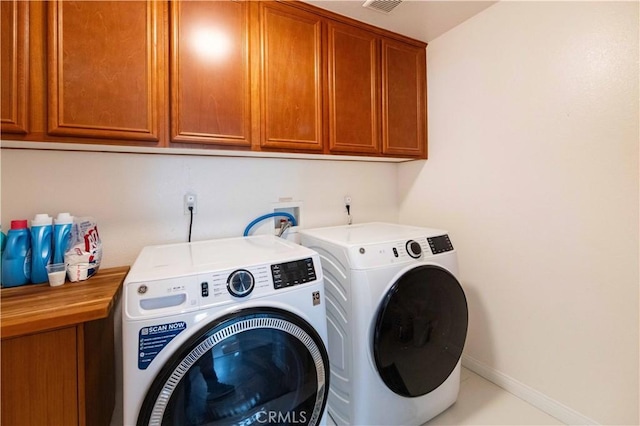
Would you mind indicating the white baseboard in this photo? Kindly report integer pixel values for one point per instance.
(536, 398)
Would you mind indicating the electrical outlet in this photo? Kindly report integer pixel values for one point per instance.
(190, 200)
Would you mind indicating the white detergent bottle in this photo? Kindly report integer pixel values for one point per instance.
(61, 236)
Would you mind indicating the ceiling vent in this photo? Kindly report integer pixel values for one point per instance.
(384, 6)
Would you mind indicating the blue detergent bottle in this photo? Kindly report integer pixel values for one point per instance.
(41, 247)
(61, 236)
(3, 241)
(16, 258)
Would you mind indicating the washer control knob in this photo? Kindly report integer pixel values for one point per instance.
(240, 283)
(414, 249)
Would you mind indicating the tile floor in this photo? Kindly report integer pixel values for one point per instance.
(480, 402)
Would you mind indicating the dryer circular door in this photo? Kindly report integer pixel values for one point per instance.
(255, 366)
(420, 331)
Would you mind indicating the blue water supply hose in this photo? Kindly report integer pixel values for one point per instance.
(267, 216)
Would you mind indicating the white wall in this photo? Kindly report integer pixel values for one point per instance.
(533, 145)
(137, 199)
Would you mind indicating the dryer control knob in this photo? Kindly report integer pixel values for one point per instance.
(414, 249)
(240, 283)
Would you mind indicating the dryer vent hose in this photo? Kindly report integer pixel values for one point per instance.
(267, 216)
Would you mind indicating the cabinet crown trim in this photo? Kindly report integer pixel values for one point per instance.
(125, 149)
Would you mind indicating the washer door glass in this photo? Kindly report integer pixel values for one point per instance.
(420, 331)
(256, 366)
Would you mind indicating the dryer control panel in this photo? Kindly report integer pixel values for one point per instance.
(440, 244)
(418, 248)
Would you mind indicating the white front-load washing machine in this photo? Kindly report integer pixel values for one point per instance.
(225, 332)
(396, 318)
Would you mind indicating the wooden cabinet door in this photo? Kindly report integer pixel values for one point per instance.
(39, 379)
(14, 64)
(104, 65)
(96, 371)
(291, 78)
(354, 93)
(210, 81)
(404, 110)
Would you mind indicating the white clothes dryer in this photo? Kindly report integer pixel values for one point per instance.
(397, 321)
(223, 332)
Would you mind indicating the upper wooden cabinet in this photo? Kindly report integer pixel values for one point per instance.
(210, 74)
(104, 65)
(279, 76)
(404, 99)
(14, 63)
(377, 94)
(290, 78)
(353, 89)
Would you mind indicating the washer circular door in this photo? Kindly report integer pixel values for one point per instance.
(420, 331)
(255, 366)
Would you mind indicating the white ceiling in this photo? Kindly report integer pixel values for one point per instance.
(419, 19)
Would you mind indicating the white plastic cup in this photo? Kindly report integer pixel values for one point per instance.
(56, 273)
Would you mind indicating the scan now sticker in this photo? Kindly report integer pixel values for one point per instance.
(153, 339)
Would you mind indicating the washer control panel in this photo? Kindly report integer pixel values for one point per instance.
(256, 280)
(178, 278)
(293, 273)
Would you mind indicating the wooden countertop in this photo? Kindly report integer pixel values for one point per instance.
(35, 308)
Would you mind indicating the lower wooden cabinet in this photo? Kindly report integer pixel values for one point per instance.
(58, 359)
(39, 379)
(60, 377)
